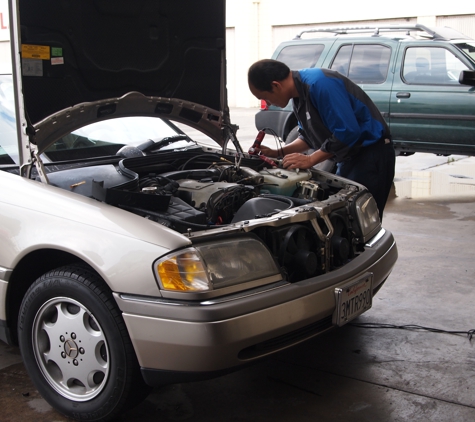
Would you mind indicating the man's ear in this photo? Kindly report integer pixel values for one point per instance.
(276, 85)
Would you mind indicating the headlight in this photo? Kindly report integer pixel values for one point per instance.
(183, 272)
(216, 265)
(367, 215)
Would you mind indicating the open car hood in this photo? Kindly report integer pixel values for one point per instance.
(79, 61)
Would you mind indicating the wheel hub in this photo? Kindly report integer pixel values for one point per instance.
(71, 349)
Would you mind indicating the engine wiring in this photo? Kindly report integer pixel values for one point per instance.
(277, 139)
(183, 166)
(413, 327)
(224, 203)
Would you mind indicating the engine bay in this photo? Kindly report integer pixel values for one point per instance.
(192, 193)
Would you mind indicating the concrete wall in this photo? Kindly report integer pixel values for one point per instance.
(258, 26)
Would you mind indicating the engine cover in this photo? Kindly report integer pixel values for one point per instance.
(197, 193)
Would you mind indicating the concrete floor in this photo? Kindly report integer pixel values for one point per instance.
(355, 373)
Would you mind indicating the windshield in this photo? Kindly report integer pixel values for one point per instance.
(468, 49)
(106, 138)
(8, 140)
(126, 131)
(99, 139)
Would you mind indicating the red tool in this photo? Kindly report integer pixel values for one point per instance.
(257, 143)
(268, 160)
(254, 149)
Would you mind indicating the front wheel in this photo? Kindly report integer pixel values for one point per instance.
(76, 348)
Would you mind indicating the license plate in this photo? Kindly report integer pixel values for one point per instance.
(353, 299)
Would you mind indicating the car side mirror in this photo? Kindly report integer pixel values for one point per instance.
(467, 77)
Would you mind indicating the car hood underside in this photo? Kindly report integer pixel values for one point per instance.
(77, 53)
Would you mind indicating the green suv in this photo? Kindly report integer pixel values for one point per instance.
(422, 80)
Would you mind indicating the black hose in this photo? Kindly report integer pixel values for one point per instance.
(182, 167)
(292, 201)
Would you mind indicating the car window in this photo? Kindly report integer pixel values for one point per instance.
(8, 139)
(431, 65)
(301, 56)
(341, 62)
(363, 63)
(108, 136)
(468, 48)
(98, 139)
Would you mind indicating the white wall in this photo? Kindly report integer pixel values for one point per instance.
(260, 25)
(5, 55)
(4, 31)
(285, 12)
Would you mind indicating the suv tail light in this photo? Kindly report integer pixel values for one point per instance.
(264, 105)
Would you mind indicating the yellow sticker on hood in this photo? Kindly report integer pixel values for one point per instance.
(29, 51)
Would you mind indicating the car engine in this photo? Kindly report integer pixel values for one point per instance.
(195, 194)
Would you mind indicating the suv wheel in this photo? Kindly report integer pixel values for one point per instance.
(292, 136)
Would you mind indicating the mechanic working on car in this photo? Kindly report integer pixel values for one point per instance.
(336, 118)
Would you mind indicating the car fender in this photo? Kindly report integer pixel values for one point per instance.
(119, 245)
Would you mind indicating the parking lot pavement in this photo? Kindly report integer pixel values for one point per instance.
(369, 370)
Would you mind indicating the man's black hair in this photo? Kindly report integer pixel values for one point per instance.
(262, 73)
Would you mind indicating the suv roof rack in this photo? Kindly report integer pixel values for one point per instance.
(439, 33)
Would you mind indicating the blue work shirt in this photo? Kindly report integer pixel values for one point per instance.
(334, 114)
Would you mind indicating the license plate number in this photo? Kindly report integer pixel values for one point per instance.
(353, 299)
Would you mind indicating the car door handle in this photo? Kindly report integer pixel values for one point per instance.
(403, 95)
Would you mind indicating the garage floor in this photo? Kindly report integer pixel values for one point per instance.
(381, 367)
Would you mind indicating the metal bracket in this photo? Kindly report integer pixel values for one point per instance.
(39, 165)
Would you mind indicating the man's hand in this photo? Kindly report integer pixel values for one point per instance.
(297, 161)
(269, 152)
(301, 161)
(298, 145)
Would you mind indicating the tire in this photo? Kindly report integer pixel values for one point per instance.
(76, 348)
(292, 136)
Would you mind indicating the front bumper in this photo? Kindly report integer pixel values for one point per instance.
(185, 340)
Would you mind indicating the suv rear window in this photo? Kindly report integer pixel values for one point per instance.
(363, 63)
(301, 56)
